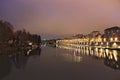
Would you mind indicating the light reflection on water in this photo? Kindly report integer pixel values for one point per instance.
(64, 63)
(111, 57)
(72, 56)
(18, 60)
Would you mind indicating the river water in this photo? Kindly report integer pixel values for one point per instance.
(61, 63)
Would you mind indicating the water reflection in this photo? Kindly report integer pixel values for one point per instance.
(72, 56)
(77, 58)
(111, 58)
(5, 66)
(17, 59)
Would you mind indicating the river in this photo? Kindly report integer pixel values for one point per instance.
(60, 63)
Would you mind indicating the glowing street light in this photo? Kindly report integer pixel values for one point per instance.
(111, 39)
(104, 39)
(116, 39)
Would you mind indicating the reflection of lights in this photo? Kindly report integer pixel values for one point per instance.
(96, 49)
(115, 54)
(97, 52)
(101, 50)
(117, 66)
(30, 43)
(87, 51)
(104, 55)
(77, 58)
(79, 50)
(74, 53)
(28, 52)
(92, 52)
(111, 57)
(101, 54)
(107, 51)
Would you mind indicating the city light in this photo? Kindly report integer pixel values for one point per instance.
(116, 39)
(111, 39)
(104, 40)
(114, 45)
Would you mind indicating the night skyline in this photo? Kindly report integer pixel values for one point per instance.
(61, 17)
(59, 39)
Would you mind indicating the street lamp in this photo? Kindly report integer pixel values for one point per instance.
(111, 39)
(104, 39)
(116, 39)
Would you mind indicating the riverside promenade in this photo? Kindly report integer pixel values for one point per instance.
(112, 43)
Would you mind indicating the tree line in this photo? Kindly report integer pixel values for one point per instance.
(19, 37)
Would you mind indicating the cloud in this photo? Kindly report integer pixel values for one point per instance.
(61, 16)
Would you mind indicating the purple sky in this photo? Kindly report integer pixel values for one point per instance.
(61, 17)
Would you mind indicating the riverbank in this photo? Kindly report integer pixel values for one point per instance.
(8, 49)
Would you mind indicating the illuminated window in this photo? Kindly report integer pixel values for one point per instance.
(111, 39)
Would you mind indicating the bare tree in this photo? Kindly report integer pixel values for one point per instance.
(6, 31)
